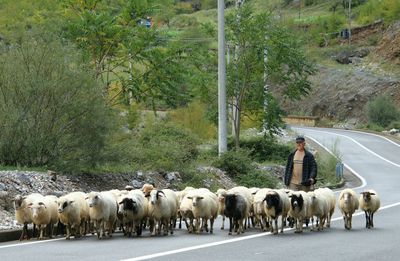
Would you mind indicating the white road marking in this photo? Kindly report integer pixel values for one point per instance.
(363, 181)
(186, 249)
(33, 242)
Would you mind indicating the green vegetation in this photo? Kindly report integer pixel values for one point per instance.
(382, 111)
(51, 110)
(79, 81)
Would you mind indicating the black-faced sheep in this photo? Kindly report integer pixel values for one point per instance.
(299, 208)
(236, 209)
(276, 204)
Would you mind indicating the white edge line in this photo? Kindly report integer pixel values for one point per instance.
(363, 181)
(33, 242)
(186, 249)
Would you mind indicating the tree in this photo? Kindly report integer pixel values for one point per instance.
(286, 66)
(51, 110)
(140, 62)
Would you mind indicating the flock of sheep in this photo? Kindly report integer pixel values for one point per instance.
(159, 210)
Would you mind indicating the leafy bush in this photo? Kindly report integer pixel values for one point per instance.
(382, 111)
(326, 169)
(52, 112)
(235, 163)
(163, 146)
(193, 118)
(257, 178)
(264, 148)
(388, 10)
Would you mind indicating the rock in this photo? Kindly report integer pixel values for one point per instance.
(172, 176)
(137, 184)
(392, 131)
(3, 194)
(2, 187)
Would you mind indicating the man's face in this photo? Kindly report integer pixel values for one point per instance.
(300, 145)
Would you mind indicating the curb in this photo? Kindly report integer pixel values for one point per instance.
(10, 235)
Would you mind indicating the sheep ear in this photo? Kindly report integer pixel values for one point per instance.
(30, 205)
(200, 197)
(372, 193)
(42, 204)
(71, 201)
(190, 197)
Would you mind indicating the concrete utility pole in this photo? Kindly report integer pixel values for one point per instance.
(222, 116)
(349, 22)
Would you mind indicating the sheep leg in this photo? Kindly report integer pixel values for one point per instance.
(371, 221)
(283, 223)
(223, 222)
(205, 224)
(349, 220)
(211, 225)
(230, 225)
(276, 226)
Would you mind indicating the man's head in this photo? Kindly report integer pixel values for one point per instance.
(300, 142)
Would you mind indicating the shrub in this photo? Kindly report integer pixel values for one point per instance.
(234, 162)
(326, 168)
(193, 118)
(52, 112)
(264, 148)
(163, 146)
(257, 178)
(382, 111)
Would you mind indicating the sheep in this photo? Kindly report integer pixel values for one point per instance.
(276, 204)
(221, 205)
(319, 207)
(102, 211)
(258, 206)
(163, 207)
(236, 209)
(369, 202)
(246, 193)
(205, 207)
(299, 208)
(328, 193)
(73, 212)
(186, 212)
(253, 191)
(180, 195)
(348, 204)
(44, 213)
(147, 188)
(23, 214)
(133, 207)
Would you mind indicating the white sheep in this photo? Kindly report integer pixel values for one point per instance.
(186, 212)
(102, 211)
(319, 207)
(133, 207)
(204, 207)
(44, 214)
(330, 195)
(23, 214)
(299, 208)
(369, 202)
(348, 204)
(73, 211)
(259, 210)
(221, 204)
(163, 207)
(180, 195)
(276, 204)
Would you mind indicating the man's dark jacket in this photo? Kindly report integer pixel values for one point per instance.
(309, 168)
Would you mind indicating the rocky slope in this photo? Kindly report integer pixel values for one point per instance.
(341, 92)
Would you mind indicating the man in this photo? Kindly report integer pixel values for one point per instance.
(301, 168)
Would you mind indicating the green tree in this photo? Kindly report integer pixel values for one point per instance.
(51, 110)
(285, 68)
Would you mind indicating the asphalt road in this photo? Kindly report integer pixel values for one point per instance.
(373, 158)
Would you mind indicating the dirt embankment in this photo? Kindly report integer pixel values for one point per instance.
(341, 92)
